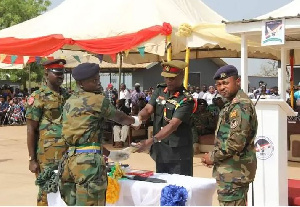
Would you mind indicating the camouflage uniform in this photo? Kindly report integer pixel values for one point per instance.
(203, 123)
(234, 154)
(47, 109)
(83, 175)
(173, 154)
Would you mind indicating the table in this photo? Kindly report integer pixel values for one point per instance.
(140, 193)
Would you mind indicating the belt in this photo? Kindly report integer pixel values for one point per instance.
(86, 148)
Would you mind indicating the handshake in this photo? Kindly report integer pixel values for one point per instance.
(137, 121)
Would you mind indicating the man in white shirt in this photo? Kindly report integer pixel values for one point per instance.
(209, 95)
(125, 94)
(196, 93)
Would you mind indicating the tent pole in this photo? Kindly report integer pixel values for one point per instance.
(244, 63)
(120, 67)
(186, 71)
(29, 79)
(70, 73)
(169, 48)
(292, 78)
(282, 74)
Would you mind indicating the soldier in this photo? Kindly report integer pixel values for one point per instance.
(43, 113)
(202, 122)
(233, 157)
(83, 176)
(172, 105)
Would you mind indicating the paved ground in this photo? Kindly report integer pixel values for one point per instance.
(17, 183)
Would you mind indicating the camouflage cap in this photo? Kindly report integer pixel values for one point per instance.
(173, 68)
(225, 72)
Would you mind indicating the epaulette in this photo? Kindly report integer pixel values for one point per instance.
(161, 85)
(188, 96)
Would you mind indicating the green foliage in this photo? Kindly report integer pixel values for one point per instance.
(21, 76)
(16, 11)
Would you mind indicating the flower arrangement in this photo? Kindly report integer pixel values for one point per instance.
(113, 191)
(113, 187)
(173, 195)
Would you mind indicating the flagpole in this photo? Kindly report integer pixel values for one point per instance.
(169, 48)
(120, 67)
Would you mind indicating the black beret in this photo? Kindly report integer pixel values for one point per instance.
(201, 101)
(225, 72)
(85, 71)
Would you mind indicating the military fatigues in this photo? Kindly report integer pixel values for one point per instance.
(202, 123)
(45, 106)
(173, 154)
(234, 154)
(83, 176)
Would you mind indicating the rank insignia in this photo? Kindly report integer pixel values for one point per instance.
(233, 114)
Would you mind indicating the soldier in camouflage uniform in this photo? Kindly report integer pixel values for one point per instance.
(172, 143)
(83, 176)
(43, 113)
(233, 157)
(202, 123)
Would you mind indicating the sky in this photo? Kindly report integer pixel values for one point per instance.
(234, 10)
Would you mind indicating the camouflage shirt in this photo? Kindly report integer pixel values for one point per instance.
(45, 106)
(83, 116)
(203, 122)
(234, 153)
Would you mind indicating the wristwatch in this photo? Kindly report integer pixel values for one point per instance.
(31, 158)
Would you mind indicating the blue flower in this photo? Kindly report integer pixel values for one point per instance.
(173, 195)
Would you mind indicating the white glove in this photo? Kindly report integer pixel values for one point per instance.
(118, 155)
(137, 121)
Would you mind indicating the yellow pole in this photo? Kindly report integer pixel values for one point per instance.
(169, 49)
(186, 71)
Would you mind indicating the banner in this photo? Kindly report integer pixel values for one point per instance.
(273, 32)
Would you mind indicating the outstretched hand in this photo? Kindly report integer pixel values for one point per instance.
(205, 160)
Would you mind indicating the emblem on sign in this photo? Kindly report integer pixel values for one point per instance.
(264, 147)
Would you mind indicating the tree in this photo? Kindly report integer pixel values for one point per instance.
(13, 12)
(16, 11)
(269, 69)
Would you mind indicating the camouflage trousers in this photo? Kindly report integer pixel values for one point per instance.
(230, 194)
(83, 180)
(240, 202)
(49, 153)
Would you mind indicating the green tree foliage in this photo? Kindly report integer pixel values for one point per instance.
(16, 11)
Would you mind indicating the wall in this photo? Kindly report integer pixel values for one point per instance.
(151, 77)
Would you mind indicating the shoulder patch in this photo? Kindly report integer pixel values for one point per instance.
(188, 96)
(30, 101)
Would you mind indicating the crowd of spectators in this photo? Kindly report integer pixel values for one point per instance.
(12, 105)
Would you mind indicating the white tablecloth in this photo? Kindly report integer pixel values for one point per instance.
(140, 193)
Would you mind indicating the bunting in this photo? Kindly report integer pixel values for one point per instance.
(2, 57)
(142, 51)
(76, 57)
(13, 59)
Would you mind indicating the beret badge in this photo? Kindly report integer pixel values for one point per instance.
(223, 75)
